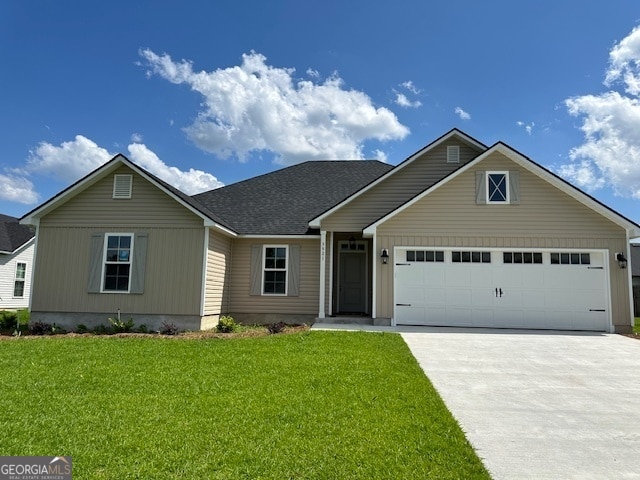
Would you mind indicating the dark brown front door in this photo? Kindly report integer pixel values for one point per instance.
(353, 282)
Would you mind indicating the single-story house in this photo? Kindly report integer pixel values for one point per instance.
(16, 263)
(458, 234)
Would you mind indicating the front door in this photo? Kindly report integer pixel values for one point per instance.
(353, 280)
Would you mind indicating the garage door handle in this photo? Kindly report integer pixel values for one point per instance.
(597, 310)
(403, 304)
(403, 264)
(595, 268)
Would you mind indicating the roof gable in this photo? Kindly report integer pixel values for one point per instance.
(209, 218)
(531, 166)
(13, 235)
(452, 134)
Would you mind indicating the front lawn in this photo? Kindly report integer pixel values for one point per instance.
(636, 328)
(312, 405)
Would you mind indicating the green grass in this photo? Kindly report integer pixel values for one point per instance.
(636, 327)
(316, 405)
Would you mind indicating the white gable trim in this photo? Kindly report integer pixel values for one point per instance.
(21, 247)
(316, 222)
(33, 217)
(526, 163)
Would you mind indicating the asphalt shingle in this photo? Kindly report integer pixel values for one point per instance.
(12, 234)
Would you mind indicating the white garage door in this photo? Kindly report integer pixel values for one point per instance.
(563, 290)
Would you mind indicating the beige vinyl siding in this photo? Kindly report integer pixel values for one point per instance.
(412, 179)
(173, 272)
(217, 277)
(148, 206)
(306, 303)
(545, 218)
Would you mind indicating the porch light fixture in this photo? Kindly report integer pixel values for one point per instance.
(384, 255)
(622, 260)
(352, 243)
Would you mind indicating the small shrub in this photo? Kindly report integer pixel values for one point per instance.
(57, 329)
(101, 330)
(82, 328)
(24, 316)
(8, 320)
(276, 327)
(120, 326)
(168, 329)
(226, 324)
(40, 328)
(142, 329)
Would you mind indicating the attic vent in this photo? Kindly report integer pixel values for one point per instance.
(122, 186)
(453, 154)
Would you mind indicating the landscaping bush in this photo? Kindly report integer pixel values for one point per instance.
(142, 329)
(226, 324)
(120, 326)
(168, 329)
(40, 328)
(82, 328)
(101, 330)
(276, 327)
(8, 320)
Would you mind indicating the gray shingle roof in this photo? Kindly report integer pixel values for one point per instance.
(283, 202)
(12, 234)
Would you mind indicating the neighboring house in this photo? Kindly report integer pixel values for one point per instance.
(16, 263)
(635, 277)
(459, 234)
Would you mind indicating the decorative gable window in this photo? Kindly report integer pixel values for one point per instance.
(21, 275)
(122, 186)
(453, 154)
(498, 188)
(275, 270)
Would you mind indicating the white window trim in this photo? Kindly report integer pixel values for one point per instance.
(286, 270)
(507, 189)
(23, 280)
(104, 260)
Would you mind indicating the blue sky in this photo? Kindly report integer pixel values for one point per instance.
(210, 93)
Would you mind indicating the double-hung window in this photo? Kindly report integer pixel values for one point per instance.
(21, 275)
(498, 187)
(275, 270)
(118, 251)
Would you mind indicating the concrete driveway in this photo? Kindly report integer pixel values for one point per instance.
(543, 405)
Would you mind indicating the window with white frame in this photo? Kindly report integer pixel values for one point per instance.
(498, 187)
(118, 250)
(21, 275)
(275, 270)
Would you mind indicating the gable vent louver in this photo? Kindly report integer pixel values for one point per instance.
(453, 154)
(122, 186)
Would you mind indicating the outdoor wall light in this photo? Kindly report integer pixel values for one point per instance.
(622, 260)
(384, 255)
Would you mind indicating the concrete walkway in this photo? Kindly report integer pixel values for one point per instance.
(538, 404)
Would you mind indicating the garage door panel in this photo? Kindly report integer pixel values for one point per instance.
(534, 295)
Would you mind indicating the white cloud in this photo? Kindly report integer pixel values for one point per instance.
(610, 153)
(380, 155)
(411, 87)
(191, 182)
(462, 114)
(15, 188)
(69, 161)
(527, 126)
(72, 160)
(255, 107)
(403, 101)
(136, 137)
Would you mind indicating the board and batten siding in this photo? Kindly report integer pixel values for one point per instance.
(217, 276)
(148, 205)
(8, 263)
(545, 218)
(174, 262)
(398, 188)
(306, 303)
